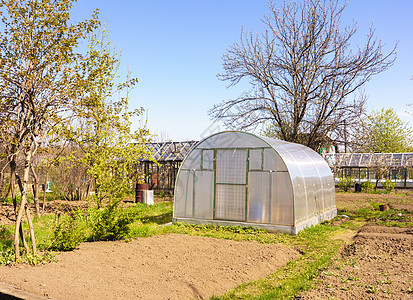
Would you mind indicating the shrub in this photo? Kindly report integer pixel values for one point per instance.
(345, 183)
(388, 186)
(67, 234)
(111, 223)
(368, 186)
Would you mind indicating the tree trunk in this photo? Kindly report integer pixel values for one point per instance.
(12, 183)
(35, 191)
(7, 193)
(1, 183)
(23, 206)
(13, 177)
(45, 187)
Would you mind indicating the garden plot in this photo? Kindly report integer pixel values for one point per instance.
(162, 267)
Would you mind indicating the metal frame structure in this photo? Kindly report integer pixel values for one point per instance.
(169, 156)
(237, 178)
(397, 167)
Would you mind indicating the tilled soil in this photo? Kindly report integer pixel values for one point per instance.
(161, 267)
(378, 264)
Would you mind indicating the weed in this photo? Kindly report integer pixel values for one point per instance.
(67, 234)
(388, 186)
(368, 186)
(111, 223)
(345, 183)
(353, 278)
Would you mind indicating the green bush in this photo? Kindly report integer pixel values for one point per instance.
(346, 183)
(368, 186)
(67, 234)
(7, 257)
(388, 186)
(111, 224)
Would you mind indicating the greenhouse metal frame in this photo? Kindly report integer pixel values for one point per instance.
(397, 167)
(237, 178)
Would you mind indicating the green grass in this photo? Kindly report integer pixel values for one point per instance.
(388, 218)
(298, 275)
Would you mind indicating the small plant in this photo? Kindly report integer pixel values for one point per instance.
(111, 224)
(388, 186)
(67, 235)
(368, 186)
(372, 289)
(346, 183)
(38, 259)
(7, 257)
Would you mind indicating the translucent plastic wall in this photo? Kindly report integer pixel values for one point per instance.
(236, 176)
(312, 180)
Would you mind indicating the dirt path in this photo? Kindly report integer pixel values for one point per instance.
(161, 267)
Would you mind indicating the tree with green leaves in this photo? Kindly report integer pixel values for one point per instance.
(304, 71)
(102, 125)
(384, 132)
(38, 80)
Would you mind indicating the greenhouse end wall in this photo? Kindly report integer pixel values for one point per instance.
(236, 178)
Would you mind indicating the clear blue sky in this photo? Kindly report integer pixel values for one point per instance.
(174, 48)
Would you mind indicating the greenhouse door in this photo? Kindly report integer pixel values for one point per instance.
(231, 184)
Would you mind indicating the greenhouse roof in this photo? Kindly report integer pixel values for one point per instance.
(170, 151)
(395, 160)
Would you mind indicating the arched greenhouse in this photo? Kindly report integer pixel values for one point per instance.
(237, 178)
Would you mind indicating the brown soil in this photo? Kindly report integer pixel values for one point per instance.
(378, 264)
(7, 216)
(403, 199)
(160, 267)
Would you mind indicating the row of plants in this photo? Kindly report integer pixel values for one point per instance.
(346, 183)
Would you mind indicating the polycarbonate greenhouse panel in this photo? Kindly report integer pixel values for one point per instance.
(259, 197)
(270, 159)
(231, 166)
(236, 178)
(192, 161)
(204, 195)
(208, 159)
(230, 202)
(255, 160)
(282, 199)
(184, 194)
(232, 140)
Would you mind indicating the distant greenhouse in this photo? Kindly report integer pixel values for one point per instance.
(169, 156)
(397, 167)
(237, 178)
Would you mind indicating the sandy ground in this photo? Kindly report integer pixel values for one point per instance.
(378, 264)
(161, 267)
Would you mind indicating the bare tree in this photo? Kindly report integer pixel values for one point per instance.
(304, 74)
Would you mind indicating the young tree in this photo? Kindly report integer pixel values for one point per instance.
(304, 73)
(37, 79)
(101, 127)
(384, 132)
